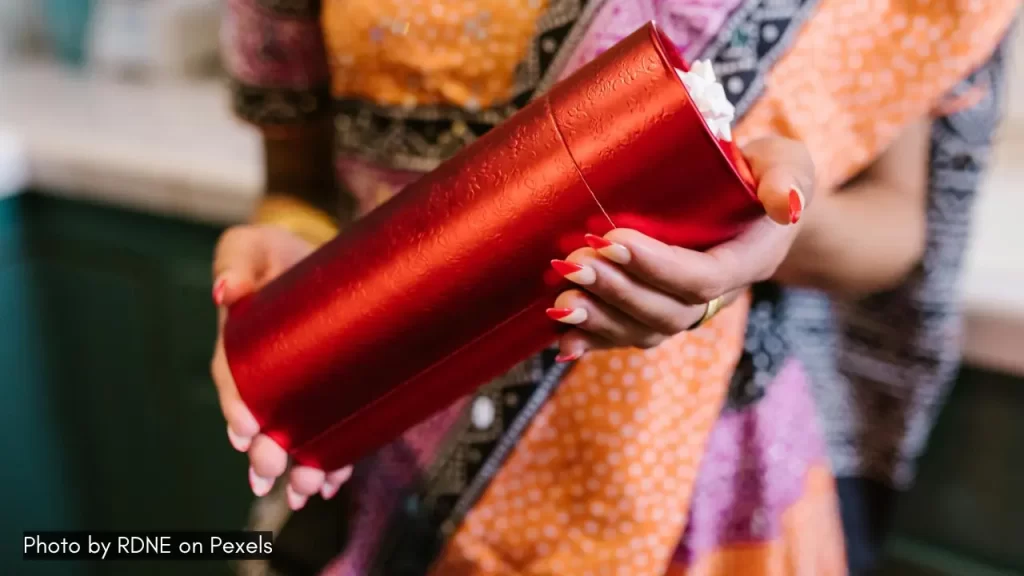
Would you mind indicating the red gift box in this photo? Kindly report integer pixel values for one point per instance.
(445, 286)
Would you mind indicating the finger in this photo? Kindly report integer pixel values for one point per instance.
(260, 486)
(651, 307)
(785, 174)
(699, 277)
(756, 253)
(232, 285)
(296, 501)
(239, 261)
(575, 343)
(241, 422)
(239, 442)
(306, 480)
(690, 276)
(589, 314)
(334, 481)
(783, 198)
(267, 458)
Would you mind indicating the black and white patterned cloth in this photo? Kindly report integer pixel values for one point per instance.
(881, 367)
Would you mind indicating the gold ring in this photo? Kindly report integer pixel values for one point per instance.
(714, 307)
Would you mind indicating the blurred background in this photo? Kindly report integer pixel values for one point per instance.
(120, 163)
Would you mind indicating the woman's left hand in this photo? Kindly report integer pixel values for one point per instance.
(637, 292)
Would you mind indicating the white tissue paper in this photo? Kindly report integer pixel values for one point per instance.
(709, 96)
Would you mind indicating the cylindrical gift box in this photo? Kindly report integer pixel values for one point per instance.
(445, 286)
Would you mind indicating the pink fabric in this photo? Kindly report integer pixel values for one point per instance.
(371, 186)
(265, 50)
(382, 482)
(754, 468)
(691, 24)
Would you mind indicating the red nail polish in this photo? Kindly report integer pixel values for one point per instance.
(596, 242)
(796, 205)
(218, 291)
(565, 268)
(558, 313)
(562, 358)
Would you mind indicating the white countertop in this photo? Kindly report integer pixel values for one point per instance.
(13, 163)
(171, 148)
(993, 282)
(177, 150)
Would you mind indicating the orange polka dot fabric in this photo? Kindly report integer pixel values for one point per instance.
(860, 71)
(601, 481)
(428, 52)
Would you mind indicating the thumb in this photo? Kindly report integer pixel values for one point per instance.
(238, 263)
(785, 175)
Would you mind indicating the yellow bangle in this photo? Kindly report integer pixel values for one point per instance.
(297, 217)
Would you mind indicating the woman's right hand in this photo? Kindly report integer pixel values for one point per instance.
(246, 259)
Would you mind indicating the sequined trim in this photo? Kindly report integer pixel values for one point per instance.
(420, 138)
(275, 106)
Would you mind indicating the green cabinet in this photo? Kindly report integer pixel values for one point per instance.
(109, 419)
(965, 514)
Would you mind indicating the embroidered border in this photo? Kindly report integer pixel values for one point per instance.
(752, 40)
(275, 106)
(464, 468)
(534, 402)
(420, 138)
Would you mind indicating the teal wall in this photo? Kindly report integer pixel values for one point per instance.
(109, 418)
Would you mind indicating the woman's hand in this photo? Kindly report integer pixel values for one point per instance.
(637, 291)
(247, 258)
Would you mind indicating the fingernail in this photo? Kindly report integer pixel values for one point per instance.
(562, 358)
(615, 252)
(339, 477)
(582, 275)
(218, 291)
(568, 315)
(329, 490)
(260, 486)
(796, 205)
(295, 500)
(239, 443)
